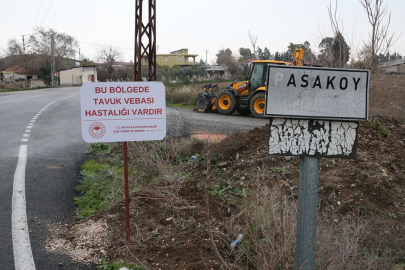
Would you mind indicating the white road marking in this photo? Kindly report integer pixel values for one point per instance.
(23, 258)
(17, 99)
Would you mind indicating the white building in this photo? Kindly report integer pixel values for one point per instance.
(15, 74)
(78, 75)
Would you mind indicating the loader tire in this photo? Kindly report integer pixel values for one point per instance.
(226, 103)
(243, 111)
(257, 105)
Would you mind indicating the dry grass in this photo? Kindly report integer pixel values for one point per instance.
(387, 96)
(267, 218)
(270, 230)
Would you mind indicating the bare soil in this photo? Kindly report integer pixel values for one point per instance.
(168, 232)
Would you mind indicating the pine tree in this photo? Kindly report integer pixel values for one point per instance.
(340, 50)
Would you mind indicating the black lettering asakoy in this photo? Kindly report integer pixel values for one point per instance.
(343, 83)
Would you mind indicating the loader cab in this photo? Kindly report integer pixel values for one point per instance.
(257, 76)
(257, 73)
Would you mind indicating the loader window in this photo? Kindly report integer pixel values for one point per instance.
(256, 79)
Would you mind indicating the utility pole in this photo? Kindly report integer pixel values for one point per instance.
(52, 60)
(145, 39)
(206, 57)
(25, 60)
(79, 56)
(23, 43)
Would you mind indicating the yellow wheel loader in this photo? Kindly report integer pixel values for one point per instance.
(244, 97)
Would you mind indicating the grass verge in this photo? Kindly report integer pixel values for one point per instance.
(20, 89)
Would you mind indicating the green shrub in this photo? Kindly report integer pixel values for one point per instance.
(99, 148)
(378, 127)
(94, 187)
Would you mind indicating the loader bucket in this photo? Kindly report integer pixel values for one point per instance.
(203, 104)
(206, 98)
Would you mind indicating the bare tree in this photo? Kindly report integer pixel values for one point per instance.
(14, 47)
(106, 57)
(23, 57)
(65, 46)
(339, 48)
(380, 39)
(253, 41)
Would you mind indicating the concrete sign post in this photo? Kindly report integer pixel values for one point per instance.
(123, 111)
(314, 113)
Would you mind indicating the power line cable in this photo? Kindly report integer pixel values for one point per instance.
(47, 10)
(103, 45)
(132, 48)
(38, 13)
(54, 12)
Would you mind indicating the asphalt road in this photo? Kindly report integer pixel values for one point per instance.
(54, 148)
(41, 148)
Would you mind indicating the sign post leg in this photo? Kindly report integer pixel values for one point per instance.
(307, 213)
(128, 228)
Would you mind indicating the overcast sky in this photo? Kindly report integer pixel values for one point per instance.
(198, 25)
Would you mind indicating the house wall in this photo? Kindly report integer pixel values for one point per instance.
(35, 83)
(67, 77)
(12, 77)
(77, 76)
(87, 72)
(173, 60)
(8, 77)
(176, 58)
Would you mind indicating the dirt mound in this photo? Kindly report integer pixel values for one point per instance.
(374, 181)
(168, 230)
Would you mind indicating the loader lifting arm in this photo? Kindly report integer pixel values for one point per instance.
(299, 57)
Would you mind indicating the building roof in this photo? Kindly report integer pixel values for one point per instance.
(177, 54)
(16, 69)
(123, 64)
(396, 62)
(217, 68)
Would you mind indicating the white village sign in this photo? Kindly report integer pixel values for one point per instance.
(317, 93)
(307, 105)
(123, 111)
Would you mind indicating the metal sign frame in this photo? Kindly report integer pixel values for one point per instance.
(269, 98)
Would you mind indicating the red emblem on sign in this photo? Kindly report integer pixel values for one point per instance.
(97, 130)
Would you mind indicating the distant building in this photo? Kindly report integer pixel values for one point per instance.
(176, 58)
(218, 71)
(16, 73)
(395, 66)
(122, 64)
(77, 76)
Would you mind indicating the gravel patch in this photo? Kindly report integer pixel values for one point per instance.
(183, 122)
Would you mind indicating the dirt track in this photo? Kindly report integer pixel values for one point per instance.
(186, 122)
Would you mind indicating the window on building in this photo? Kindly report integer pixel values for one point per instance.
(146, 59)
(179, 58)
(166, 58)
